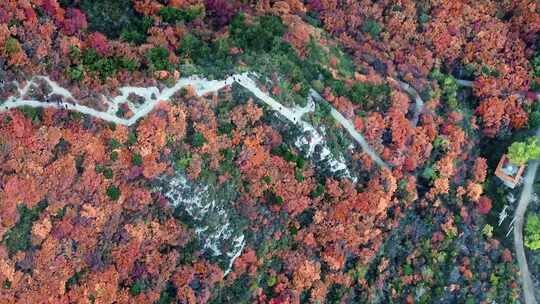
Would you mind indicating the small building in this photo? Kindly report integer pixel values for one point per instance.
(510, 173)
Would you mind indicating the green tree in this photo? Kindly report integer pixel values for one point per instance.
(113, 192)
(18, 238)
(158, 58)
(192, 46)
(12, 46)
(373, 28)
(536, 65)
(136, 159)
(448, 87)
(115, 18)
(362, 93)
(522, 151)
(76, 73)
(198, 140)
(264, 34)
(173, 15)
(532, 232)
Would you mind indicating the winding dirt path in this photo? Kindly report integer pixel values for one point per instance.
(419, 103)
(347, 124)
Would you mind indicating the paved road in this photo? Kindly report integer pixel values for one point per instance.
(524, 200)
(349, 127)
(419, 103)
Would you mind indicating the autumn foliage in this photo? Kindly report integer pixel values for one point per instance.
(81, 207)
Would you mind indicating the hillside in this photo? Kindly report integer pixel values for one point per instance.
(214, 151)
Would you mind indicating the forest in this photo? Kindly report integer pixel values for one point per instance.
(295, 151)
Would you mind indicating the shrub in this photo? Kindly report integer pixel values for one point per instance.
(521, 152)
(173, 15)
(182, 162)
(532, 232)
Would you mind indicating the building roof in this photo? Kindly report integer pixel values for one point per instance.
(508, 172)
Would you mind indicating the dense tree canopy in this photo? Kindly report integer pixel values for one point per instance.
(83, 208)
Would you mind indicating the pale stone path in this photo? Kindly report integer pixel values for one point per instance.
(63, 99)
(152, 96)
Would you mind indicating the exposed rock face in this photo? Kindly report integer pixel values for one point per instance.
(209, 211)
